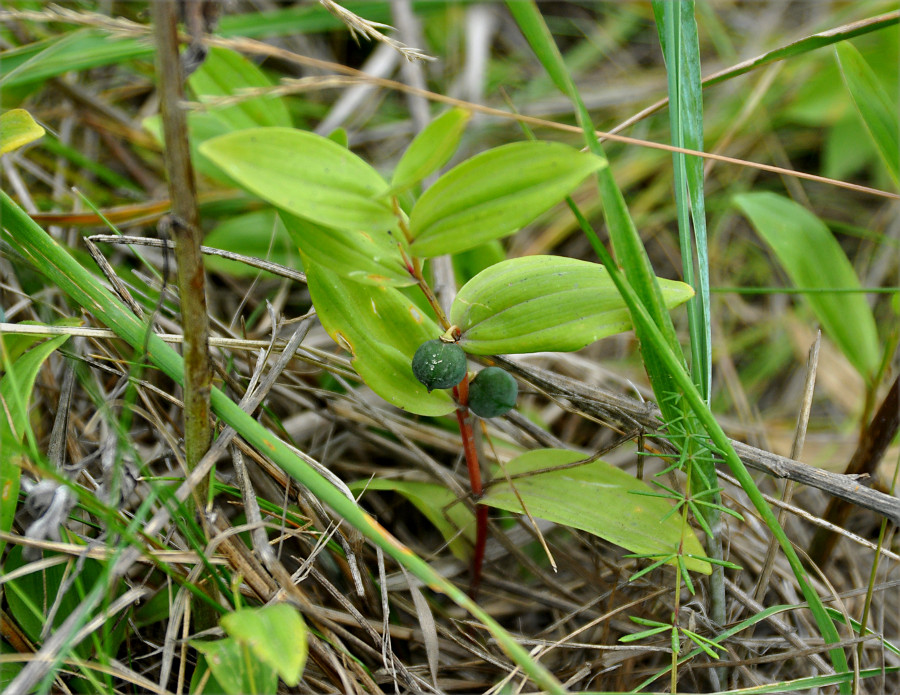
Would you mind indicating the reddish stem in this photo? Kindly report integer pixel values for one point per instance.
(471, 453)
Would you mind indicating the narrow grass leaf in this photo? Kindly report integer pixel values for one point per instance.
(875, 107)
(544, 303)
(305, 174)
(15, 393)
(812, 257)
(629, 249)
(494, 194)
(595, 497)
(808, 44)
(678, 36)
(81, 49)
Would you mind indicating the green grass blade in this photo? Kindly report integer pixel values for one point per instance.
(677, 29)
(15, 393)
(807, 45)
(874, 105)
(24, 235)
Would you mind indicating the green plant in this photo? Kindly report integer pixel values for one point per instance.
(374, 241)
(355, 233)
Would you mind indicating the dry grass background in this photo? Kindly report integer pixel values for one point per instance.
(574, 617)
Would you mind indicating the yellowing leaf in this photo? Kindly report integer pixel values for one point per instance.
(17, 128)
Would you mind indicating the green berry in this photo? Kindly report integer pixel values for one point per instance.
(439, 365)
(492, 392)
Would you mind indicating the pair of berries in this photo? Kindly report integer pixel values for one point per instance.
(442, 365)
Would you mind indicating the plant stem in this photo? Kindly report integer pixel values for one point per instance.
(467, 432)
(186, 233)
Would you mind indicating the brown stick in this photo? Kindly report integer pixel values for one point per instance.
(185, 227)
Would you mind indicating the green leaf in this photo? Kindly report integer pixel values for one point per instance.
(382, 329)
(439, 505)
(17, 128)
(235, 670)
(32, 599)
(371, 258)
(305, 174)
(259, 234)
(339, 135)
(544, 303)
(875, 107)
(596, 497)
(15, 391)
(81, 49)
(225, 73)
(494, 194)
(276, 634)
(813, 259)
(430, 150)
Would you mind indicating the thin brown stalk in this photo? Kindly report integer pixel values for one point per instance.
(185, 228)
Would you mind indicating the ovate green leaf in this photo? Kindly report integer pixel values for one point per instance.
(496, 193)
(371, 257)
(539, 303)
(813, 259)
(430, 150)
(275, 634)
(305, 174)
(382, 329)
(596, 497)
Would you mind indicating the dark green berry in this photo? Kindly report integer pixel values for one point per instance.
(492, 392)
(439, 365)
